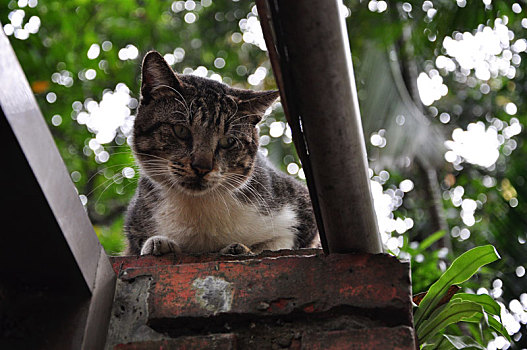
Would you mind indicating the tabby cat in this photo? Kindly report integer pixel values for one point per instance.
(204, 187)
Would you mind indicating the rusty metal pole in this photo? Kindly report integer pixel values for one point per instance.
(309, 49)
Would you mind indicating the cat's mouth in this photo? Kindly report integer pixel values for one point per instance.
(196, 186)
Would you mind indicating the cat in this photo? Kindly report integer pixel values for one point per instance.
(204, 186)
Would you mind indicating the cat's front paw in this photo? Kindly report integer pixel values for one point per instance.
(236, 249)
(159, 245)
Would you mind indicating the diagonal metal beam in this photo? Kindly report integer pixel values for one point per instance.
(309, 51)
(58, 281)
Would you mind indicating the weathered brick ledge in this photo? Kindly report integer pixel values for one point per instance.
(286, 299)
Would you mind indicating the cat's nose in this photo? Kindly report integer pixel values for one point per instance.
(201, 166)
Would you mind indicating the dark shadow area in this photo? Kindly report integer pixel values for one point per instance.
(43, 297)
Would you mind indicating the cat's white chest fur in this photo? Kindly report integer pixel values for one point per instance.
(210, 223)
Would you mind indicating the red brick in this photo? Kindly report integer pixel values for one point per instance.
(216, 341)
(383, 338)
(121, 263)
(278, 286)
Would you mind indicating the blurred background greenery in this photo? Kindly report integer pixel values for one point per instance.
(441, 86)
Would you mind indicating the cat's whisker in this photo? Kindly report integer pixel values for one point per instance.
(99, 172)
(245, 185)
(155, 161)
(173, 184)
(184, 103)
(261, 202)
(236, 111)
(128, 152)
(248, 200)
(253, 191)
(253, 114)
(246, 135)
(231, 122)
(156, 166)
(252, 188)
(256, 166)
(131, 183)
(243, 124)
(109, 145)
(238, 141)
(244, 116)
(190, 115)
(216, 192)
(152, 156)
(261, 185)
(112, 181)
(149, 192)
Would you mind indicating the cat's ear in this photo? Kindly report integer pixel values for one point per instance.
(254, 103)
(158, 79)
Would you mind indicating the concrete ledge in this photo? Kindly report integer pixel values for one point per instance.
(121, 263)
(278, 299)
(368, 339)
(215, 341)
(383, 338)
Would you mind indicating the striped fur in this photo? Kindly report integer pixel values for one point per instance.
(204, 185)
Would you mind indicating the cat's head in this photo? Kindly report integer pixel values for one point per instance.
(196, 135)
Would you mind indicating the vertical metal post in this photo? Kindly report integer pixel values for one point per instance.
(309, 49)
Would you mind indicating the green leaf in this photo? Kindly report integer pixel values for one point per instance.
(475, 331)
(454, 312)
(428, 241)
(437, 343)
(451, 342)
(464, 267)
(463, 342)
(489, 305)
(498, 327)
(493, 324)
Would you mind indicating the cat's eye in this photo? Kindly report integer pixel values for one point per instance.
(182, 132)
(226, 142)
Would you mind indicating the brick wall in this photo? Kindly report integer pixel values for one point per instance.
(286, 299)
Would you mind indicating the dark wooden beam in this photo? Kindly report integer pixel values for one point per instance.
(57, 283)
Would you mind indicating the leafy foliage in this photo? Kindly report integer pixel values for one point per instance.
(431, 318)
